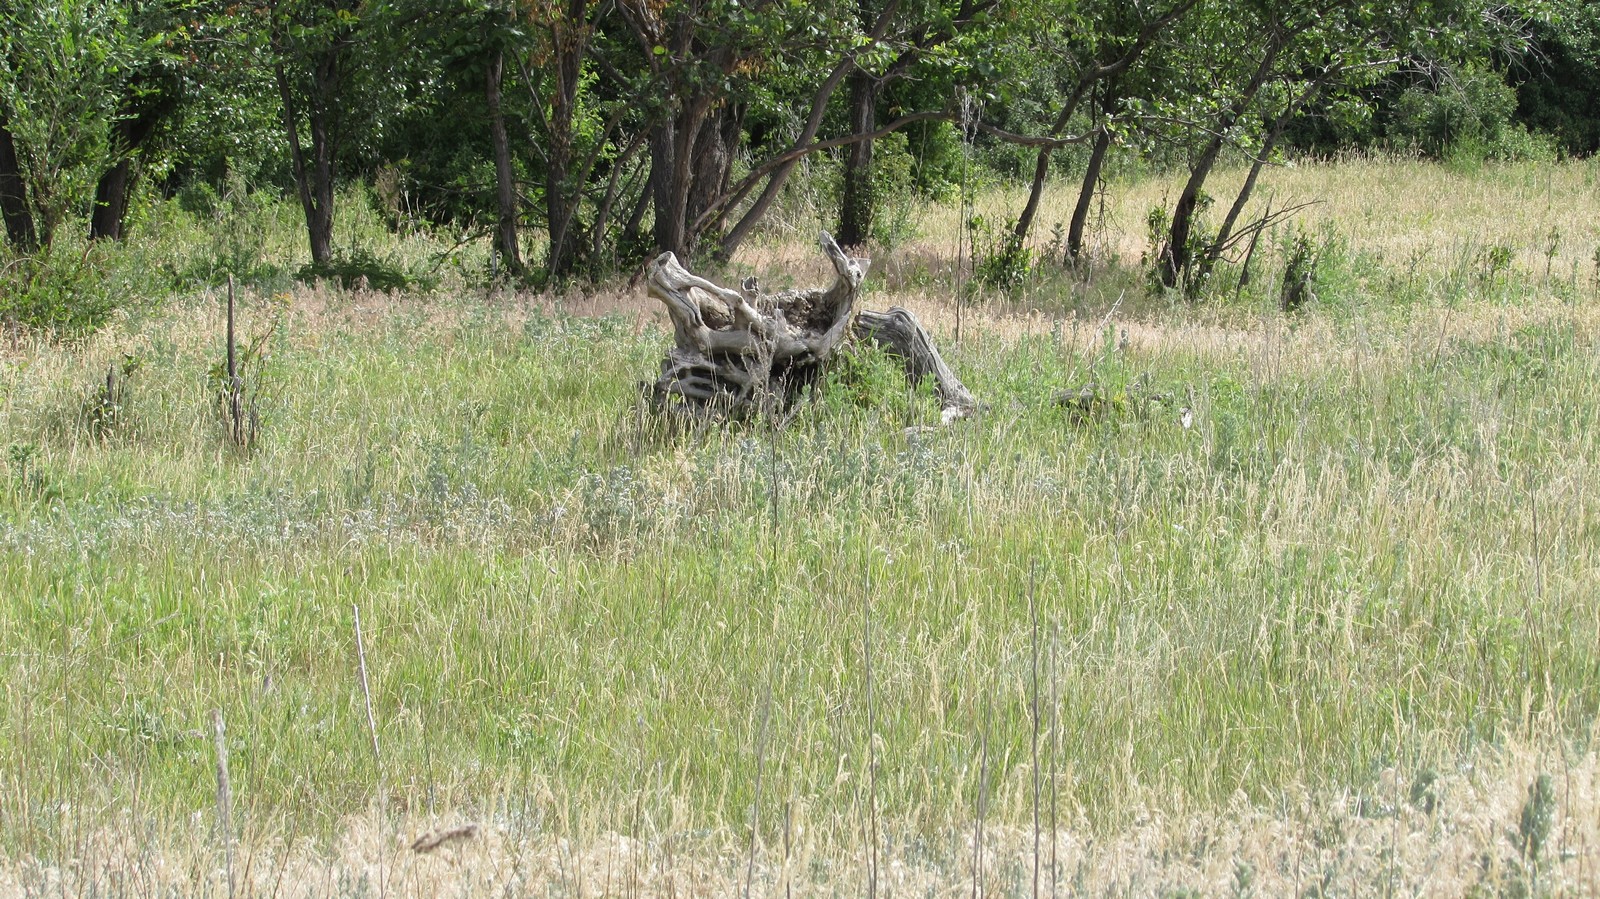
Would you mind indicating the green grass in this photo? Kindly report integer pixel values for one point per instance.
(1335, 570)
(1372, 551)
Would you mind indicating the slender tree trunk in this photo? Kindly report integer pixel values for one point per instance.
(673, 143)
(1112, 69)
(819, 102)
(505, 182)
(1041, 167)
(569, 40)
(313, 182)
(1214, 252)
(1041, 176)
(714, 150)
(601, 226)
(857, 204)
(112, 192)
(633, 228)
(665, 184)
(1177, 253)
(14, 195)
(323, 144)
(1091, 182)
(150, 100)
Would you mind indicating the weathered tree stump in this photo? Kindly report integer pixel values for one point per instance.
(736, 350)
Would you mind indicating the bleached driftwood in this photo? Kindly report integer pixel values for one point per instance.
(735, 349)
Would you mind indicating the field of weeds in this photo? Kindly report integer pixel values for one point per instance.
(1272, 604)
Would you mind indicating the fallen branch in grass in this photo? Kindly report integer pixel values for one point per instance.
(431, 841)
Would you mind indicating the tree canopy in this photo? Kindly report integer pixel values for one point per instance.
(581, 137)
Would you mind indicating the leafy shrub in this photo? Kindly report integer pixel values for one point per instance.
(61, 290)
(893, 191)
(1465, 119)
(25, 474)
(235, 226)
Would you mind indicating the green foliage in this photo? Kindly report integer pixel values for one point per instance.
(106, 409)
(1467, 117)
(1534, 823)
(63, 290)
(1558, 80)
(999, 259)
(236, 227)
(27, 475)
(865, 377)
(894, 191)
(1492, 262)
(1300, 272)
(62, 66)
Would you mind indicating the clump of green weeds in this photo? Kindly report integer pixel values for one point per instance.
(106, 408)
(1491, 263)
(863, 376)
(999, 258)
(1300, 272)
(27, 475)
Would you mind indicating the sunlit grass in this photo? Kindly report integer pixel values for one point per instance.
(1368, 556)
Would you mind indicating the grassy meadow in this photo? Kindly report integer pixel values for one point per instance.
(1294, 604)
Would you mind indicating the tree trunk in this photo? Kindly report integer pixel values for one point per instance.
(1091, 182)
(713, 154)
(561, 195)
(1041, 169)
(737, 351)
(324, 137)
(1177, 254)
(14, 195)
(505, 232)
(691, 154)
(1219, 244)
(856, 205)
(111, 201)
(669, 179)
(151, 98)
(112, 192)
(775, 179)
(314, 182)
(1041, 176)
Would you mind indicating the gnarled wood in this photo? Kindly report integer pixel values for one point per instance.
(735, 349)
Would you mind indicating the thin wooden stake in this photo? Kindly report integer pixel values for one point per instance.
(224, 793)
(366, 689)
(1033, 614)
(235, 388)
(755, 805)
(983, 803)
(872, 754)
(1055, 748)
(233, 364)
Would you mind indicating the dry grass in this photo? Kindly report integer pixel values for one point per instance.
(1456, 833)
(1404, 212)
